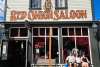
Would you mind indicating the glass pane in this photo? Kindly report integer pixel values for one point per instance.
(85, 31)
(36, 3)
(35, 31)
(64, 31)
(54, 49)
(47, 31)
(42, 31)
(23, 32)
(41, 50)
(71, 31)
(68, 45)
(60, 3)
(72, 54)
(78, 31)
(14, 32)
(83, 46)
(38, 49)
(55, 31)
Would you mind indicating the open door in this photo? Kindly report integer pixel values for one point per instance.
(17, 53)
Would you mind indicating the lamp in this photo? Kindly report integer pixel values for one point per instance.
(27, 25)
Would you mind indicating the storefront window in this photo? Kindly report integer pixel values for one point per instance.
(74, 42)
(76, 45)
(41, 46)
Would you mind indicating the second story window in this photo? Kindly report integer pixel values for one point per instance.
(35, 4)
(61, 4)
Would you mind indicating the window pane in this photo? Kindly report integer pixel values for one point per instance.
(84, 31)
(68, 45)
(41, 50)
(23, 32)
(61, 3)
(35, 31)
(71, 31)
(64, 31)
(78, 31)
(55, 31)
(83, 46)
(14, 32)
(36, 3)
(42, 31)
(38, 48)
(47, 31)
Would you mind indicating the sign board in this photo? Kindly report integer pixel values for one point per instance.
(47, 10)
(48, 15)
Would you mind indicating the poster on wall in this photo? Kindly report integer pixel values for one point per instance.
(2, 6)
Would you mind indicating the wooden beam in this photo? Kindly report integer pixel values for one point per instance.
(50, 44)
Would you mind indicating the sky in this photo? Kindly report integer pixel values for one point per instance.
(96, 9)
(1, 10)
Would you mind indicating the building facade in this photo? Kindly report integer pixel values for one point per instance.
(46, 32)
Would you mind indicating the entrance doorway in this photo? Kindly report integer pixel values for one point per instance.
(17, 53)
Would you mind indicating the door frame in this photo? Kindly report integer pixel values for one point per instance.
(26, 40)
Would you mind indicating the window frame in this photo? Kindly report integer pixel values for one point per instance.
(31, 7)
(18, 33)
(65, 7)
(76, 36)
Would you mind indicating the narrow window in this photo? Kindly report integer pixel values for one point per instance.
(61, 4)
(35, 4)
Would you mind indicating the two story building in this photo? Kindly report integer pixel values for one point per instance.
(46, 32)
